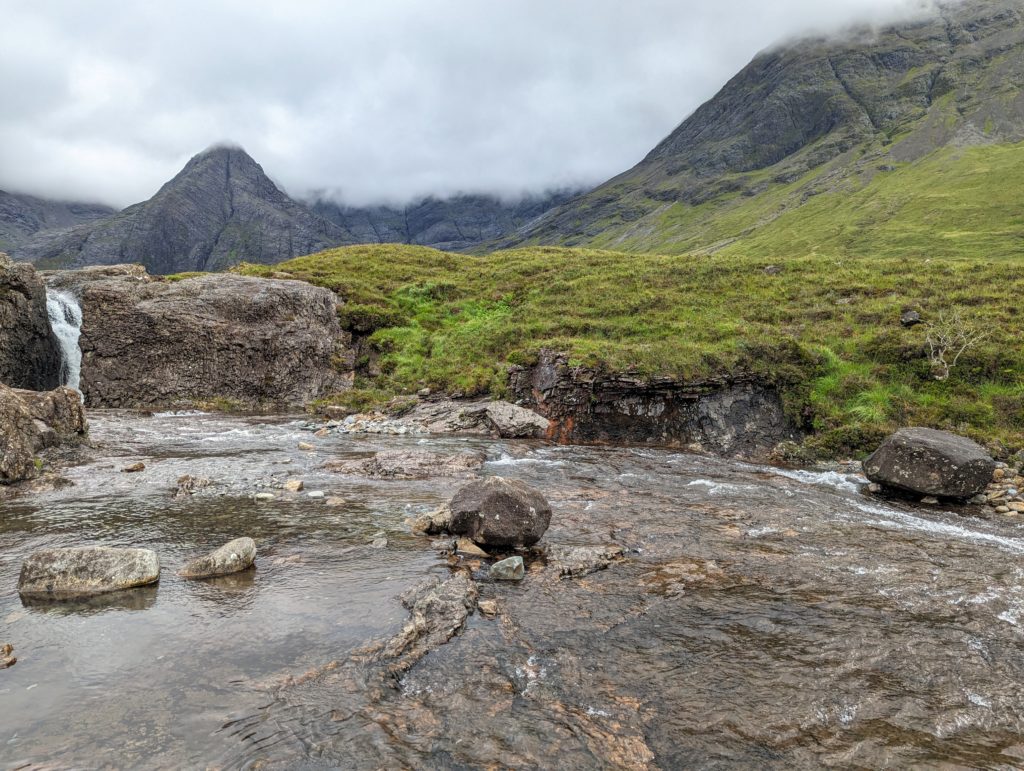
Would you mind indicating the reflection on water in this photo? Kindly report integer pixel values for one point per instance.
(760, 618)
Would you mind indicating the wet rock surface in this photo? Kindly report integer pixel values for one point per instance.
(931, 463)
(744, 419)
(29, 353)
(226, 339)
(757, 617)
(410, 464)
(74, 572)
(233, 557)
(498, 512)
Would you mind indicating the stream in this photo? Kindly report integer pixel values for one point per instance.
(760, 618)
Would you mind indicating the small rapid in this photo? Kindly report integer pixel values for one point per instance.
(759, 618)
(66, 321)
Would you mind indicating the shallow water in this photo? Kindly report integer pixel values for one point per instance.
(760, 618)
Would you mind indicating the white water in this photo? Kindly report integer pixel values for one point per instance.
(66, 320)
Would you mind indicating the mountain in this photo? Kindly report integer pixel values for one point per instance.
(22, 216)
(222, 209)
(452, 224)
(905, 139)
(219, 210)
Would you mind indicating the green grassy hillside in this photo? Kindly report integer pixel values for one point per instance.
(957, 203)
(825, 328)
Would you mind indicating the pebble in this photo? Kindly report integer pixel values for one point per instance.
(134, 468)
(466, 546)
(7, 658)
(489, 608)
(379, 543)
(1002, 509)
(316, 493)
(930, 500)
(335, 501)
(322, 432)
(306, 446)
(264, 496)
(294, 485)
(511, 569)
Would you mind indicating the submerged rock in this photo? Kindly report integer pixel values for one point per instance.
(134, 468)
(232, 557)
(7, 658)
(931, 463)
(188, 485)
(410, 464)
(294, 485)
(437, 612)
(83, 571)
(498, 512)
(511, 569)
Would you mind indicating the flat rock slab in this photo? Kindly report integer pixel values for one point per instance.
(578, 561)
(84, 571)
(232, 557)
(929, 462)
(410, 464)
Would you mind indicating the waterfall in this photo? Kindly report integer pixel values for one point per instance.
(66, 321)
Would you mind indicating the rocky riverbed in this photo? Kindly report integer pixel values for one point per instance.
(680, 610)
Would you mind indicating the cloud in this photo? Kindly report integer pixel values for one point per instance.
(372, 100)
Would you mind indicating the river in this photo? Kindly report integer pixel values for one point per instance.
(761, 618)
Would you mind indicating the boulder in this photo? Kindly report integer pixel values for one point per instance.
(482, 418)
(232, 557)
(927, 462)
(410, 464)
(217, 338)
(29, 353)
(498, 512)
(19, 438)
(84, 571)
(511, 421)
(511, 569)
(59, 415)
(32, 421)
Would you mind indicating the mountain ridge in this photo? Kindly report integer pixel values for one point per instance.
(825, 113)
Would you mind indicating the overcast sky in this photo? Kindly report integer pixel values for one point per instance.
(371, 99)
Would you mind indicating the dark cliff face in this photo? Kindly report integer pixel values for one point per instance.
(735, 418)
(22, 216)
(29, 354)
(452, 224)
(951, 77)
(219, 210)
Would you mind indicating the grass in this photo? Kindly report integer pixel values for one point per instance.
(956, 203)
(825, 329)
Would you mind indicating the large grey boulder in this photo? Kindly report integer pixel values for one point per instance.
(85, 571)
(218, 338)
(929, 462)
(232, 557)
(29, 354)
(498, 512)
